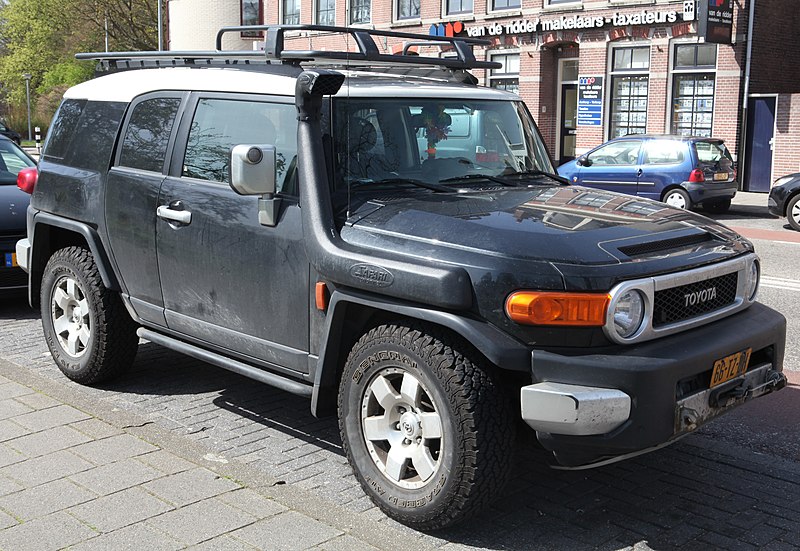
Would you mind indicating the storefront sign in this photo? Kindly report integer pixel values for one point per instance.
(590, 101)
(716, 21)
(576, 22)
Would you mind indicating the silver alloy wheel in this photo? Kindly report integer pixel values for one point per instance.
(795, 213)
(70, 315)
(402, 428)
(675, 199)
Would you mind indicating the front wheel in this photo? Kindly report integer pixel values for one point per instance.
(793, 212)
(678, 198)
(425, 425)
(90, 334)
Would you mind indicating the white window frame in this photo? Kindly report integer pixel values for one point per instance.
(490, 8)
(349, 15)
(552, 5)
(673, 44)
(561, 62)
(458, 15)
(281, 13)
(315, 13)
(611, 73)
(503, 76)
(396, 13)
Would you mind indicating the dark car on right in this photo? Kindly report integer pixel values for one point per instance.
(784, 199)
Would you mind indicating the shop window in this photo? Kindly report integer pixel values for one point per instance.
(291, 12)
(506, 4)
(506, 77)
(360, 11)
(326, 12)
(408, 9)
(693, 83)
(630, 81)
(458, 6)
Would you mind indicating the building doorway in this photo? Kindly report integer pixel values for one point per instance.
(568, 113)
(760, 140)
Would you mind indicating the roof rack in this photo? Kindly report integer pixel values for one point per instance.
(276, 54)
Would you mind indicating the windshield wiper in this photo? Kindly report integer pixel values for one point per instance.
(486, 177)
(412, 181)
(536, 173)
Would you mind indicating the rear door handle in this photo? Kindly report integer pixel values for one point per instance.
(171, 214)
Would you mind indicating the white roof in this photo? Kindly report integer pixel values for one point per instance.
(126, 85)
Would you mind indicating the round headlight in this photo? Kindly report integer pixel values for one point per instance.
(752, 281)
(628, 313)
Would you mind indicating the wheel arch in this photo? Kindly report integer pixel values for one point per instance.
(352, 313)
(51, 233)
(669, 188)
(788, 200)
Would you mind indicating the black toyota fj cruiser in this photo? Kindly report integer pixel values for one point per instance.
(378, 233)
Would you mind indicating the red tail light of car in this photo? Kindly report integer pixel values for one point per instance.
(26, 179)
(696, 176)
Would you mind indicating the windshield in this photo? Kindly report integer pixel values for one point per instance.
(420, 141)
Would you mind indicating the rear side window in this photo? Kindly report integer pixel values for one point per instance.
(711, 152)
(147, 135)
(63, 128)
(664, 152)
(220, 124)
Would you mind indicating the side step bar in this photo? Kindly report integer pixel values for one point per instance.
(283, 383)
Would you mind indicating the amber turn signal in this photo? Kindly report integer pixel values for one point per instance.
(546, 308)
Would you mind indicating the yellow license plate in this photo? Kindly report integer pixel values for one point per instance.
(11, 260)
(730, 367)
(720, 176)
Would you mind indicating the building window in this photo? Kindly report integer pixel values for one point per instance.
(506, 77)
(326, 12)
(558, 2)
(251, 15)
(693, 82)
(408, 9)
(458, 6)
(629, 85)
(506, 4)
(360, 11)
(291, 12)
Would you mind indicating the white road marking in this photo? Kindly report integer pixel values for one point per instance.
(780, 283)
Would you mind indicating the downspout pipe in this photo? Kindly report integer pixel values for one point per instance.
(746, 91)
(337, 261)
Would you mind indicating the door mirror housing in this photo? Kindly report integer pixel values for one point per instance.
(253, 172)
(583, 160)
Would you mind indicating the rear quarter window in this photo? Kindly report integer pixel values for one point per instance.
(63, 128)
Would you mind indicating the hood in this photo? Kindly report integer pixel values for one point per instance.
(13, 207)
(576, 230)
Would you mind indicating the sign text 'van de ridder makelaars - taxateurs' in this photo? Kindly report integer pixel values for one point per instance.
(577, 22)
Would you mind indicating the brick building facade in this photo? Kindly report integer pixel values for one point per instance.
(589, 70)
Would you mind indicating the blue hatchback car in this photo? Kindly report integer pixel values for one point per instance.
(682, 171)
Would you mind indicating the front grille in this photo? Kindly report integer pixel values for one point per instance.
(695, 299)
(12, 277)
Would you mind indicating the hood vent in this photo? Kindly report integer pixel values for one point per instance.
(644, 249)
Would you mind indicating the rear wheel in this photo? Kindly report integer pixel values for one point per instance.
(678, 198)
(90, 334)
(717, 207)
(793, 212)
(426, 428)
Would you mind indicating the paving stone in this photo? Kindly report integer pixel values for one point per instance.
(116, 476)
(223, 543)
(48, 441)
(189, 486)
(55, 531)
(137, 537)
(9, 429)
(9, 455)
(287, 531)
(11, 408)
(113, 448)
(44, 419)
(8, 486)
(349, 543)
(42, 500)
(96, 428)
(218, 519)
(7, 521)
(124, 508)
(46, 468)
(12, 390)
(252, 502)
(166, 462)
(37, 400)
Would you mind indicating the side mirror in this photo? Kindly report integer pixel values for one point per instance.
(583, 160)
(253, 172)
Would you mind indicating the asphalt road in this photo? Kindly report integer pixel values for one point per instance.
(733, 485)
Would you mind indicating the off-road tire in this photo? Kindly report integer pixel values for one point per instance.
(476, 443)
(793, 212)
(717, 207)
(72, 281)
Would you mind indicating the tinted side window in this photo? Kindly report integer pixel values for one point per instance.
(219, 124)
(664, 152)
(63, 128)
(147, 135)
(95, 135)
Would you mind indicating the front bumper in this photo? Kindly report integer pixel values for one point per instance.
(593, 409)
(709, 191)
